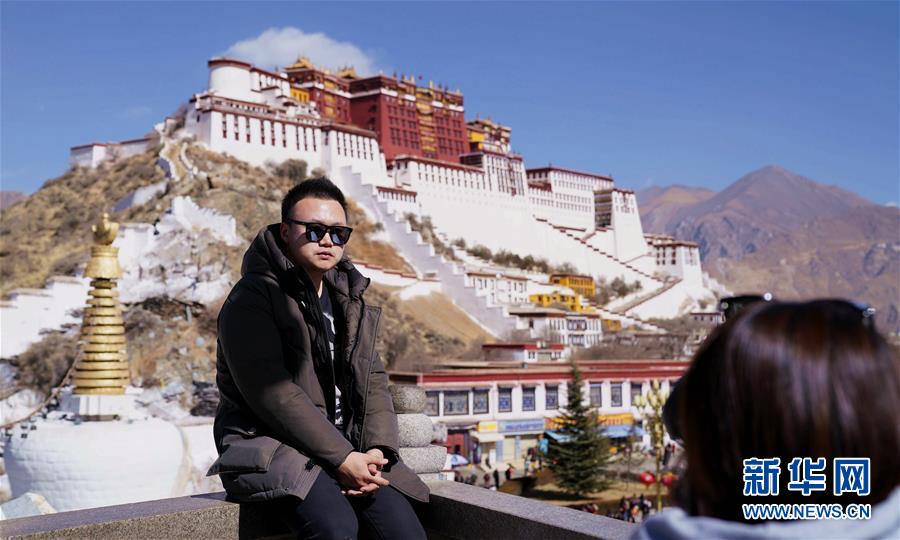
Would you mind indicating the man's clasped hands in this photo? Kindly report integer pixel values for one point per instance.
(360, 473)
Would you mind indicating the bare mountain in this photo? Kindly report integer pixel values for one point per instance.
(778, 231)
(853, 255)
(9, 198)
(662, 206)
(750, 212)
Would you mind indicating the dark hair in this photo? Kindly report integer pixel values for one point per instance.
(317, 188)
(788, 380)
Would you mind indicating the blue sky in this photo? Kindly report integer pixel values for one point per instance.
(652, 93)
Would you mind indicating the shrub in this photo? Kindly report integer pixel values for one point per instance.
(292, 169)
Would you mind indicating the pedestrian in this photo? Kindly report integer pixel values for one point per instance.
(305, 423)
(487, 480)
(509, 471)
(496, 476)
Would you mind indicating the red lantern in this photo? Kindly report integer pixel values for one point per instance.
(647, 478)
(668, 479)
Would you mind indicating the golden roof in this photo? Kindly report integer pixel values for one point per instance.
(302, 63)
(347, 73)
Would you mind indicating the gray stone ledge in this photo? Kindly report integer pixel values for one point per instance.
(198, 516)
(456, 510)
(462, 511)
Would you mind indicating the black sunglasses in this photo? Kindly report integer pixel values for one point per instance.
(733, 305)
(317, 231)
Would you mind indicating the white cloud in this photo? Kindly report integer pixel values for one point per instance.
(281, 47)
(892, 204)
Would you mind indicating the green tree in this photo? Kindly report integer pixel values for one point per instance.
(579, 457)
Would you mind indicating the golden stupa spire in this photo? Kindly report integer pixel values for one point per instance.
(102, 366)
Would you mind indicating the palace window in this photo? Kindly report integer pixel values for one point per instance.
(551, 399)
(615, 394)
(431, 404)
(504, 403)
(456, 402)
(480, 401)
(635, 391)
(528, 398)
(596, 394)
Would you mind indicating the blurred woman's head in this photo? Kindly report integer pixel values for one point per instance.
(788, 380)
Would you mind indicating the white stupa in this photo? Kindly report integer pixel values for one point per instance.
(97, 450)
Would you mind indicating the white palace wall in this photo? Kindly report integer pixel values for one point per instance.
(422, 256)
(273, 141)
(562, 248)
(626, 222)
(604, 240)
(269, 141)
(645, 263)
(362, 153)
(461, 206)
(672, 302)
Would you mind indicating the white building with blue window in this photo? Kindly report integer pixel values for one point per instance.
(494, 415)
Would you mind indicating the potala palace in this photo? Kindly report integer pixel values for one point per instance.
(403, 152)
(399, 148)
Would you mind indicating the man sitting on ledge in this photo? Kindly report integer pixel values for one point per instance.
(305, 418)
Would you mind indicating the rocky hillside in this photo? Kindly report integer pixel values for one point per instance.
(778, 231)
(47, 233)
(171, 343)
(661, 205)
(9, 198)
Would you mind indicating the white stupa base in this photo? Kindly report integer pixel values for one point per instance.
(91, 406)
(89, 464)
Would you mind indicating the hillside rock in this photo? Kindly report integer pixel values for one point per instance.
(774, 230)
(9, 198)
(661, 206)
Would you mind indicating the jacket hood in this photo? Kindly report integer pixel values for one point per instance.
(266, 256)
(675, 524)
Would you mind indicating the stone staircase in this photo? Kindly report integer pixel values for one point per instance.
(647, 297)
(170, 161)
(422, 257)
(627, 320)
(624, 265)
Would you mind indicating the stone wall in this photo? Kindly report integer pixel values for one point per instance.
(455, 510)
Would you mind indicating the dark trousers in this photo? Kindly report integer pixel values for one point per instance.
(327, 514)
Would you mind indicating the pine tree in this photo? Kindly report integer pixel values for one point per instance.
(578, 458)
